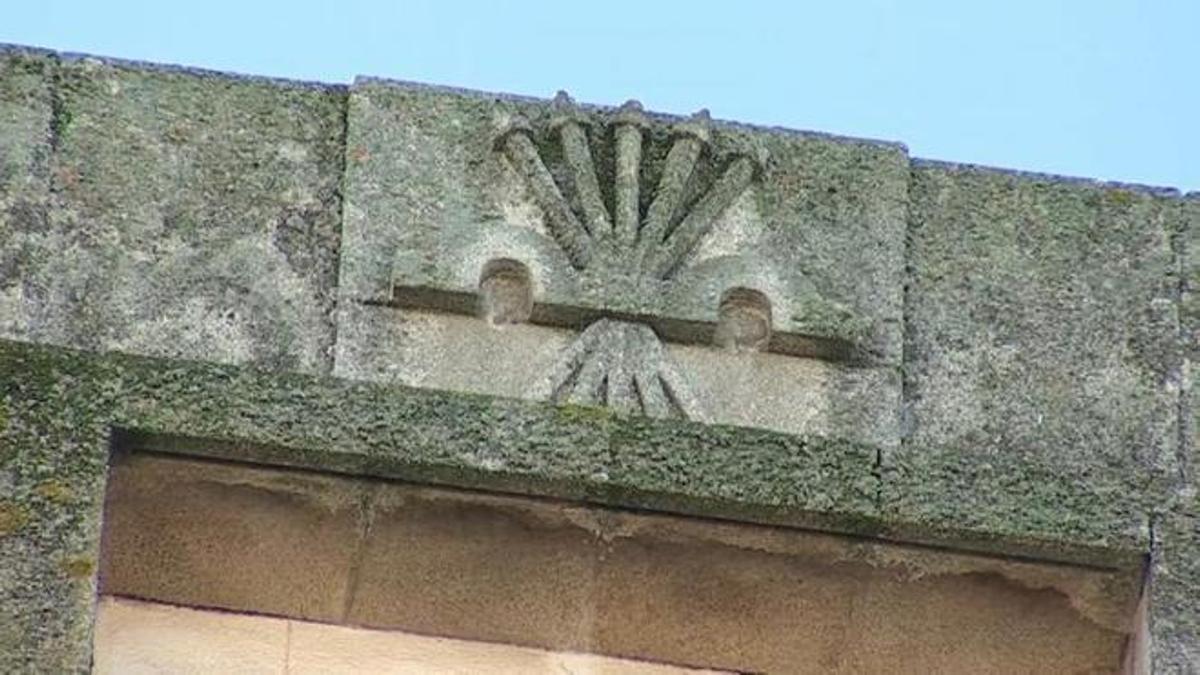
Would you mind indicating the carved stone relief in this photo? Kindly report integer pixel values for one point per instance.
(600, 249)
(618, 362)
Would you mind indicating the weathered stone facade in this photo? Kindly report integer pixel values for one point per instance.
(608, 306)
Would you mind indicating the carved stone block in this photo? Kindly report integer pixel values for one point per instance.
(169, 213)
(655, 265)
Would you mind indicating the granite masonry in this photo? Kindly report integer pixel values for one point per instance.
(651, 316)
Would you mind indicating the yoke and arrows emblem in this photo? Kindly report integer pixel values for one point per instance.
(619, 363)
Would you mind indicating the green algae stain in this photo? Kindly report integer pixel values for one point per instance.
(12, 518)
(583, 414)
(54, 491)
(1120, 197)
(77, 566)
(61, 115)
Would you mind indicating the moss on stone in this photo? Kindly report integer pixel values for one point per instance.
(1098, 514)
(583, 413)
(1043, 322)
(1120, 197)
(1041, 351)
(149, 166)
(1176, 569)
(78, 567)
(12, 517)
(54, 491)
(60, 120)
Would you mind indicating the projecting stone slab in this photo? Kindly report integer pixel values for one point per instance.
(1040, 336)
(630, 239)
(193, 215)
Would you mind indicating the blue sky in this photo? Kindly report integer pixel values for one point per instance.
(1097, 88)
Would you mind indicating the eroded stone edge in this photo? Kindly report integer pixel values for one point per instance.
(1173, 619)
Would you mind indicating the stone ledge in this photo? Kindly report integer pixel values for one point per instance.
(568, 452)
(1013, 504)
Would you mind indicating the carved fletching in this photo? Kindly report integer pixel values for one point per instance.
(624, 366)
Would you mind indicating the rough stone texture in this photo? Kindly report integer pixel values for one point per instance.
(1006, 498)
(1040, 332)
(430, 200)
(1174, 612)
(1050, 329)
(1174, 620)
(1188, 250)
(53, 454)
(189, 215)
(25, 134)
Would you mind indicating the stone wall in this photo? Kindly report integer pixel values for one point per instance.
(834, 335)
(163, 212)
